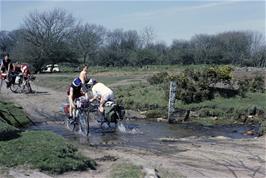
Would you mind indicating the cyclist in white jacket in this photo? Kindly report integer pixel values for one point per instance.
(101, 92)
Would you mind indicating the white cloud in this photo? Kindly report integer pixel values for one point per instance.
(174, 10)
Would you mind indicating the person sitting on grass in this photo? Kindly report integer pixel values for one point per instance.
(101, 92)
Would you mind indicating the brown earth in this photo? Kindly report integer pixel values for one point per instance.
(218, 157)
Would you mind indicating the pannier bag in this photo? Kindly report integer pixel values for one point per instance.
(113, 112)
(66, 108)
(18, 79)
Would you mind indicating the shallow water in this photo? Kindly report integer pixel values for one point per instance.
(147, 134)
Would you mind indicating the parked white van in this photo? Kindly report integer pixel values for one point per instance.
(48, 68)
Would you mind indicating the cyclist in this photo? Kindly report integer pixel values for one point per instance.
(101, 92)
(25, 71)
(76, 90)
(83, 74)
(7, 67)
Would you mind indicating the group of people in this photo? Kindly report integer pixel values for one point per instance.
(79, 87)
(9, 68)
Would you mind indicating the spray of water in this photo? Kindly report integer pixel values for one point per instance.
(121, 127)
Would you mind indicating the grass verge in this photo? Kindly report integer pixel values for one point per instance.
(43, 150)
(228, 107)
(13, 115)
(126, 171)
(8, 131)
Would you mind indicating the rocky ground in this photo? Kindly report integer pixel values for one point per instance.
(195, 156)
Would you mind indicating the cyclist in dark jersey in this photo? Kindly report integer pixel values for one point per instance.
(6, 65)
(76, 90)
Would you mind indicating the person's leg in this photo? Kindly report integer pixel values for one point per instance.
(70, 108)
(102, 102)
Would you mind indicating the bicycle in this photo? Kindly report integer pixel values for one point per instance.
(80, 116)
(84, 108)
(22, 84)
(17, 83)
(112, 113)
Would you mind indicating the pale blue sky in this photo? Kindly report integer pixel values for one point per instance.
(170, 20)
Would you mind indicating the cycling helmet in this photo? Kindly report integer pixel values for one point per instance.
(85, 88)
(92, 81)
(76, 82)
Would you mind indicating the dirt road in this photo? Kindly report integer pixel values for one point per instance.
(195, 156)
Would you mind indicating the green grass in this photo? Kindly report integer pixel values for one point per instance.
(108, 75)
(60, 82)
(13, 115)
(146, 97)
(7, 131)
(43, 150)
(138, 70)
(229, 105)
(141, 97)
(126, 170)
(11, 118)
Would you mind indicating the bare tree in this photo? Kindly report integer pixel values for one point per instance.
(147, 36)
(87, 39)
(130, 40)
(6, 42)
(48, 32)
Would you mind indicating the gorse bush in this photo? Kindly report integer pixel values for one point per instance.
(254, 85)
(218, 74)
(244, 86)
(195, 85)
(192, 86)
(159, 78)
(257, 84)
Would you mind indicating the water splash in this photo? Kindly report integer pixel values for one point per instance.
(121, 127)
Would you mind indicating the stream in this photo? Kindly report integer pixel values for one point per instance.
(148, 135)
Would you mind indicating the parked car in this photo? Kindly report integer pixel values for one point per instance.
(48, 68)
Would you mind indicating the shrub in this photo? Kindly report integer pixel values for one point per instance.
(257, 84)
(158, 78)
(243, 87)
(155, 114)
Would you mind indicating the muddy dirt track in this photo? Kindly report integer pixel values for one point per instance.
(195, 156)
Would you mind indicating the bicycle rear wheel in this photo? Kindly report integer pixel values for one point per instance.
(14, 88)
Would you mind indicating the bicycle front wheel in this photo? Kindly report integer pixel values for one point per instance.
(84, 123)
(27, 88)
